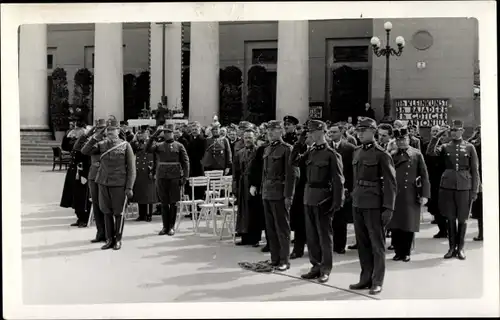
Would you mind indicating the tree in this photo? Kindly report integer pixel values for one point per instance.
(82, 94)
(59, 105)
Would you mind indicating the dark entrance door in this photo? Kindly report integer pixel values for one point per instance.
(271, 88)
(349, 93)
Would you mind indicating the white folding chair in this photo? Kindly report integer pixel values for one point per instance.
(210, 208)
(189, 206)
(213, 175)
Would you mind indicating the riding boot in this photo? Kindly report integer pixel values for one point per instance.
(119, 222)
(149, 214)
(462, 228)
(452, 239)
(142, 212)
(110, 231)
(165, 218)
(173, 218)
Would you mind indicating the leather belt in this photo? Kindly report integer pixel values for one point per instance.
(167, 163)
(366, 183)
(319, 185)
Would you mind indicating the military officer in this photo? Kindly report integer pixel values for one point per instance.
(459, 184)
(291, 123)
(323, 197)
(172, 172)
(278, 182)
(94, 190)
(144, 186)
(218, 153)
(115, 177)
(373, 198)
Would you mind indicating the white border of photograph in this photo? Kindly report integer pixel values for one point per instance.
(16, 14)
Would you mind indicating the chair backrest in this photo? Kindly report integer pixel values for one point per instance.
(56, 151)
(214, 189)
(214, 174)
(197, 182)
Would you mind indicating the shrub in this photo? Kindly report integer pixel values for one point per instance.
(59, 105)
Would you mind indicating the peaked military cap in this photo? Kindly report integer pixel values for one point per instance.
(123, 123)
(195, 124)
(291, 119)
(144, 128)
(457, 124)
(365, 123)
(100, 123)
(244, 125)
(169, 127)
(316, 125)
(274, 124)
(400, 133)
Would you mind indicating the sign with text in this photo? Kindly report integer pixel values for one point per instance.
(422, 112)
(316, 110)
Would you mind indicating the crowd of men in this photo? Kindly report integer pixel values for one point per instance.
(313, 179)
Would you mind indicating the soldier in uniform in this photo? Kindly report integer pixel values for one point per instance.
(373, 198)
(115, 177)
(459, 184)
(94, 189)
(218, 152)
(172, 172)
(278, 180)
(290, 123)
(410, 167)
(323, 197)
(144, 186)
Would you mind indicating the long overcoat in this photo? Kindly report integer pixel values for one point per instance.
(409, 166)
(144, 186)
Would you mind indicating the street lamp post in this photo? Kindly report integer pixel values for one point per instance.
(387, 52)
(163, 45)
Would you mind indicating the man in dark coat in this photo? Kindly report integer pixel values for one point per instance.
(373, 197)
(435, 167)
(172, 171)
(218, 152)
(459, 184)
(76, 193)
(247, 223)
(323, 198)
(239, 144)
(413, 191)
(344, 215)
(278, 182)
(290, 123)
(144, 187)
(368, 111)
(477, 206)
(115, 177)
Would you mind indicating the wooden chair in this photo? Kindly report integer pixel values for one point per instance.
(60, 158)
(210, 208)
(230, 211)
(189, 206)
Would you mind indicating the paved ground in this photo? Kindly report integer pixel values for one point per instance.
(60, 266)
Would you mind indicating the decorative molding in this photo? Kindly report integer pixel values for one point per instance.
(422, 40)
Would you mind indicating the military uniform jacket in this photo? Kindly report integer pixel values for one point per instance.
(218, 154)
(116, 165)
(278, 174)
(172, 161)
(238, 145)
(290, 138)
(324, 175)
(410, 165)
(144, 186)
(374, 178)
(460, 162)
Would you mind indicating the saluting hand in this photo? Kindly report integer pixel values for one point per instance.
(100, 134)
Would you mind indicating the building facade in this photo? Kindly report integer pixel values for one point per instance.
(326, 63)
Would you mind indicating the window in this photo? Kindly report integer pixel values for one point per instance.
(350, 54)
(50, 61)
(265, 56)
(186, 58)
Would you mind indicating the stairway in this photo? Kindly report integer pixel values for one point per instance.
(36, 148)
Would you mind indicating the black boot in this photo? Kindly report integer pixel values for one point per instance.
(173, 218)
(109, 225)
(149, 214)
(119, 222)
(452, 239)
(462, 228)
(165, 218)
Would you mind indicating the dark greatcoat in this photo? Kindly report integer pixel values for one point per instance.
(409, 165)
(75, 194)
(346, 151)
(255, 179)
(477, 206)
(196, 151)
(297, 215)
(435, 168)
(248, 206)
(144, 186)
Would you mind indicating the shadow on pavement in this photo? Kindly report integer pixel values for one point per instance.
(199, 279)
(332, 295)
(47, 228)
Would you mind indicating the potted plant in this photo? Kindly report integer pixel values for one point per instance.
(59, 105)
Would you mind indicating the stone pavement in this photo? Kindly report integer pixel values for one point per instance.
(61, 266)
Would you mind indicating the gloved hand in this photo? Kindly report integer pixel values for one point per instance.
(83, 180)
(129, 193)
(253, 191)
(386, 217)
(226, 171)
(423, 201)
(99, 134)
(473, 196)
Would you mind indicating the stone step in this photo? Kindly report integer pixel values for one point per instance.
(40, 143)
(37, 149)
(36, 156)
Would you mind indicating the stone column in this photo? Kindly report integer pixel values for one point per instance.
(173, 65)
(156, 63)
(204, 72)
(108, 71)
(33, 95)
(292, 87)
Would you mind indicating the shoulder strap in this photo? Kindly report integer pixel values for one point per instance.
(111, 149)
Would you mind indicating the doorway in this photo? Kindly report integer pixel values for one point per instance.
(348, 78)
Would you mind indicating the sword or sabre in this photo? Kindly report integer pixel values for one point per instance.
(125, 204)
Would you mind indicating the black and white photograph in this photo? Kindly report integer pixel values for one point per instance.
(299, 159)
